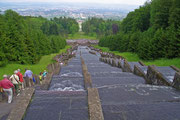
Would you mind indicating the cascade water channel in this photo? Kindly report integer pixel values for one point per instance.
(123, 95)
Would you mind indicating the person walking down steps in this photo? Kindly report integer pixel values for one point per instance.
(29, 75)
(19, 74)
(15, 80)
(7, 87)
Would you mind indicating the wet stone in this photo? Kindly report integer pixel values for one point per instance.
(132, 64)
(71, 84)
(143, 69)
(152, 111)
(103, 69)
(167, 72)
(112, 74)
(104, 81)
(48, 105)
(133, 94)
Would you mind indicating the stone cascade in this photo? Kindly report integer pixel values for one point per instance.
(66, 97)
(152, 74)
(126, 96)
(92, 87)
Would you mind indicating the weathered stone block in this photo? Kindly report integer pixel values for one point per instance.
(175, 68)
(109, 61)
(101, 59)
(113, 63)
(127, 67)
(156, 78)
(139, 72)
(176, 81)
(92, 52)
(119, 64)
(141, 63)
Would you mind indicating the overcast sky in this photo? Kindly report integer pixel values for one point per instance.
(131, 2)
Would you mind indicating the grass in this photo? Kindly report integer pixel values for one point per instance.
(164, 62)
(132, 57)
(129, 56)
(36, 68)
(81, 35)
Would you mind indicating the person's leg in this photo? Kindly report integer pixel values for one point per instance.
(18, 91)
(22, 85)
(32, 83)
(17, 88)
(9, 93)
(29, 79)
(10, 96)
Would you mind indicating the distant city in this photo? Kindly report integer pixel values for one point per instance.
(79, 11)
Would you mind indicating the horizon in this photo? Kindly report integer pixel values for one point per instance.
(119, 2)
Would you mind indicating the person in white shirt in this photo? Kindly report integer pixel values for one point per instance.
(15, 81)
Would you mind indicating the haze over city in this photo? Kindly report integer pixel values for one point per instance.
(130, 2)
(78, 9)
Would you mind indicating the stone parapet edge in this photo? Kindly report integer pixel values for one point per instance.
(94, 104)
(18, 112)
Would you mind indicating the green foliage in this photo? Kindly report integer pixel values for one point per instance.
(81, 35)
(36, 68)
(100, 27)
(60, 26)
(22, 41)
(152, 31)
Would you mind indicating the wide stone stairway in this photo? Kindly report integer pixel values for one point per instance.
(66, 98)
(123, 95)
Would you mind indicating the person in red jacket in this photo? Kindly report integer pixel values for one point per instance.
(7, 87)
(19, 74)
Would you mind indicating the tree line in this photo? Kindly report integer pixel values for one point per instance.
(62, 26)
(24, 40)
(98, 26)
(152, 31)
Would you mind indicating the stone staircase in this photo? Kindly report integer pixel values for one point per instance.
(118, 91)
(66, 98)
(125, 96)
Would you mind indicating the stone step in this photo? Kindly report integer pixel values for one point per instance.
(128, 94)
(105, 81)
(48, 105)
(112, 74)
(103, 69)
(64, 84)
(71, 69)
(139, 102)
(150, 111)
